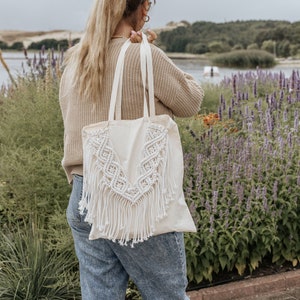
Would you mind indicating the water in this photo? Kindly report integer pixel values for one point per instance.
(14, 61)
(17, 63)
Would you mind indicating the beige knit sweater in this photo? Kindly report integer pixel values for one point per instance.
(176, 93)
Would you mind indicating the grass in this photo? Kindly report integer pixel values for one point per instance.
(245, 59)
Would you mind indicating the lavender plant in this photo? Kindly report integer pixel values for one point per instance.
(47, 64)
(242, 176)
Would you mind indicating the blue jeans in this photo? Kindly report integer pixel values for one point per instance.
(157, 266)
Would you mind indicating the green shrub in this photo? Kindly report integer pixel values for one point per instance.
(241, 181)
(218, 47)
(242, 177)
(52, 43)
(269, 46)
(252, 46)
(245, 59)
(31, 138)
(17, 46)
(198, 48)
(3, 45)
(29, 272)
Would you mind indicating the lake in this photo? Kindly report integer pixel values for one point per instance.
(16, 62)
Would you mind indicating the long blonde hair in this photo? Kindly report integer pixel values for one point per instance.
(88, 56)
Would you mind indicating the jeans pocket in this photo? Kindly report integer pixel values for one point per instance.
(75, 219)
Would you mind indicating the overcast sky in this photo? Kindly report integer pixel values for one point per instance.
(72, 14)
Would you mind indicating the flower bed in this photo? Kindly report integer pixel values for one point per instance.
(242, 177)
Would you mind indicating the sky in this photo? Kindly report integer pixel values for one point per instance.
(44, 15)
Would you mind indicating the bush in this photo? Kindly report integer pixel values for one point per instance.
(29, 272)
(3, 45)
(242, 177)
(52, 43)
(31, 138)
(269, 46)
(218, 47)
(253, 46)
(245, 59)
(17, 46)
(241, 182)
(199, 48)
(238, 47)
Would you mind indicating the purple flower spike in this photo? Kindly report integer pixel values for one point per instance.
(255, 89)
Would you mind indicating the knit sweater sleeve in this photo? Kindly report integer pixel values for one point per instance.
(177, 90)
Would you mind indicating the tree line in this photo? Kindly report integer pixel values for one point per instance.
(46, 43)
(280, 38)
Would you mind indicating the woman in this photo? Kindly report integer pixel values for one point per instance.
(157, 266)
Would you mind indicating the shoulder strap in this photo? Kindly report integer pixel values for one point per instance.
(116, 93)
(147, 77)
(145, 47)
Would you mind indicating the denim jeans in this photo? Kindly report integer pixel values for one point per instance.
(157, 266)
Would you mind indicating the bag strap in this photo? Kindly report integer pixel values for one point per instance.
(147, 77)
(118, 80)
(146, 50)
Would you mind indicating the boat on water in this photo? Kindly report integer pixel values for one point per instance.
(211, 71)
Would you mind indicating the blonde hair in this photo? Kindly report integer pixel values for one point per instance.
(88, 56)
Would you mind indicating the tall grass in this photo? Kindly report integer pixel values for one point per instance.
(36, 261)
(28, 271)
(31, 138)
(245, 59)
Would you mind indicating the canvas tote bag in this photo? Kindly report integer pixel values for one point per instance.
(133, 169)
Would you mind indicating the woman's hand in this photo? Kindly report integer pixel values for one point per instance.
(136, 37)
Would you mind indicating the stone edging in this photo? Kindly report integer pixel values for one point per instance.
(249, 287)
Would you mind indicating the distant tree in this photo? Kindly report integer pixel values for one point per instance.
(17, 46)
(218, 47)
(283, 49)
(253, 46)
(269, 46)
(294, 49)
(228, 35)
(179, 44)
(3, 45)
(199, 48)
(49, 44)
(238, 47)
(176, 40)
(263, 36)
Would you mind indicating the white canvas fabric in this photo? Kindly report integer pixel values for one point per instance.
(133, 169)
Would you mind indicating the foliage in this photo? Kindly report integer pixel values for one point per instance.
(220, 37)
(269, 46)
(245, 59)
(132, 292)
(252, 46)
(17, 46)
(242, 176)
(52, 43)
(36, 261)
(218, 47)
(31, 136)
(3, 45)
(241, 182)
(29, 272)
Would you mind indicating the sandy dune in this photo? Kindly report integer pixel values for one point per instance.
(27, 37)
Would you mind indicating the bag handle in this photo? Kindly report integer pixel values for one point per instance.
(147, 76)
(145, 48)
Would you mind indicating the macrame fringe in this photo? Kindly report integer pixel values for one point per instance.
(116, 218)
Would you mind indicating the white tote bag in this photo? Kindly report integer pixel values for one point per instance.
(133, 169)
